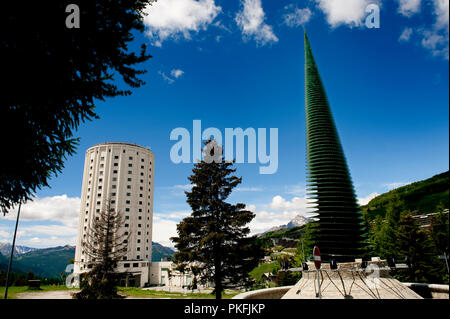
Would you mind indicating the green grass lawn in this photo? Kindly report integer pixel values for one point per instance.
(129, 292)
(261, 269)
(139, 293)
(14, 290)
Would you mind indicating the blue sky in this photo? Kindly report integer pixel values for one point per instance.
(240, 64)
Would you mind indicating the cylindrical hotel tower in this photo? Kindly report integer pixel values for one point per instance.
(123, 174)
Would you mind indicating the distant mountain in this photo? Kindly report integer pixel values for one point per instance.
(297, 221)
(5, 249)
(421, 197)
(159, 251)
(51, 262)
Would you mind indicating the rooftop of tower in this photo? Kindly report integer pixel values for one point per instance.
(120, 143)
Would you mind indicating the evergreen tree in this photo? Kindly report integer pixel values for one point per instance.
(384, 230)
(53, 78)
(214, 236)
(104, 246)
(414, 243)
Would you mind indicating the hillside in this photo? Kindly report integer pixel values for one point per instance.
(159, 251)
(421, 197)
(51, 262)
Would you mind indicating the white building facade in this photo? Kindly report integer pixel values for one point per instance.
(123, 174)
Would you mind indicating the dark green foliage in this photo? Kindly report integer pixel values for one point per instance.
(305, 245)
(213, 237)
(287, 278)
(46, 262)
(423, 197)
(52, 78)
(104, 246)
(339, 227)
(416, 244)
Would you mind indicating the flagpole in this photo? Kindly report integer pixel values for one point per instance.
(12, 251)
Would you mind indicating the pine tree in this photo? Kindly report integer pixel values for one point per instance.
(415, 244)
(214, 237)
(104, 246)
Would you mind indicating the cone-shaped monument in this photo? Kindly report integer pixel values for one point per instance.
(339, 232)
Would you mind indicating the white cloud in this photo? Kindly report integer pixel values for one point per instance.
(60, 208)
(297, 203)
(441, 10)
(163, 229)
(44, 242)
(265, 220)
(4, 234)
(176, 73)
(365, 200)
(345, 12)
(409, 7)
(435, 38)
(297, 17)
(166, 78)
(175, 18)
(251, 22)
(406, 35)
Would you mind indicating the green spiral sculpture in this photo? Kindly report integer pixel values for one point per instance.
(338, 231)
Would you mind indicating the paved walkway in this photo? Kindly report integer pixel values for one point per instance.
(61, 294)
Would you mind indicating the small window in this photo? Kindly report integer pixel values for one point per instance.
(116, 157)
(138, 241)
(128, 194)
(138, 249)
(100, 180)
(142, 180)
(138, 257)
(128, 186)
(142, 174)
(100, 187)
(142, 160)
(126, 225)
(113, 201)
(140, 195)
(139, 233)
(102, 165)
(127, 202)
(113, 194)
(130, 158)
(135, 264)
(114, 179)
(130, 172)
(130, 165)
(140, 202)
(102, 158)
(129, 179)
(142, 166)
(127, 209)
(114, 171)
(113, 186)
(140, 217)
(139, 225)
(116, 164)
(124, 258)
(127, 217)
(126, 265)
